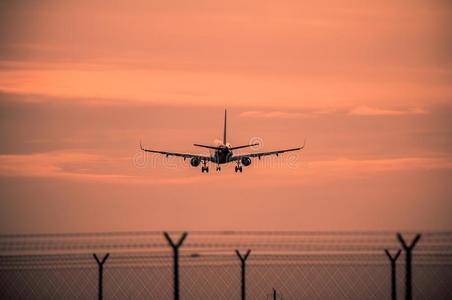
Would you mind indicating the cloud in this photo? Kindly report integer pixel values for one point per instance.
(356, 111)
(373, 111)
(369, 166)
(274, 114)
(79, 166)
(52, 164)
(346, 169)
(278, 172)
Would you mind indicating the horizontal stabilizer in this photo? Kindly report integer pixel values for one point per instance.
(244, 146)
(208, 147)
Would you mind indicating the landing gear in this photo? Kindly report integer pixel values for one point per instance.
(204, 167)
(218, 168)
(238, 168)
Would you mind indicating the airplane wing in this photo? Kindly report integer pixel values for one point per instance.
(260, 154)
(184, 155)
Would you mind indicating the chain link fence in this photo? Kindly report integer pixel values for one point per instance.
(297, 265)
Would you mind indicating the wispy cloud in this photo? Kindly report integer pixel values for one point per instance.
(274, 114)
(374, 111)
(87, 167)
(321, 172)
(79, 166)
(369, 166)
(53, 164)
(355, 111)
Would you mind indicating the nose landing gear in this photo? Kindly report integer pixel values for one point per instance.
(218, 168)
(205, 167)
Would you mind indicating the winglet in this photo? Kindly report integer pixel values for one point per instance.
(141, 147)
(304, 144)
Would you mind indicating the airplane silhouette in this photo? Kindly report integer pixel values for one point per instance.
(222, 154)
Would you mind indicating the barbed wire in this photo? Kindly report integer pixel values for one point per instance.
(299, 265)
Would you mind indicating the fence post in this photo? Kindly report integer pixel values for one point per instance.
(408, 258)
(100, 264)
(243, 268)
(175, 247)
(393, 260)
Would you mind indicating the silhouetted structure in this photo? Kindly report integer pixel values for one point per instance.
(60, 266)
(408, 257)
(175, 247)
(274, 294)
(243, 268)
(100, 263)
(393, 260)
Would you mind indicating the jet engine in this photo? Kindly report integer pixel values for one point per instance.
(195, 162)
(246, 161)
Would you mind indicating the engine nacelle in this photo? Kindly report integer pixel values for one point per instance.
(195, 162)
(246, 161)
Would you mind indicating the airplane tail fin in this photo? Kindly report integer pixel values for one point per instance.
(224, 132)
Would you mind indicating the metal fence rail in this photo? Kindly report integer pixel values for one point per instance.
(298, 265)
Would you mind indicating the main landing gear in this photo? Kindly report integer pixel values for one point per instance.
(205, 167)
(238, 168)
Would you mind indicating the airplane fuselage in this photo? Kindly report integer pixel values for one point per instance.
(222, 155)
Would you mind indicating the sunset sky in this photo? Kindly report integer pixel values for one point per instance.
(367, 83)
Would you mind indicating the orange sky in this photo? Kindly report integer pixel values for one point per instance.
(368, 83)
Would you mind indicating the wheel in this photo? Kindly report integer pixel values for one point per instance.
(207, 169)
(240, 168)
(236, 169)
(202, 169)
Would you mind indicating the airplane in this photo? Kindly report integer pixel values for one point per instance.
(222, 154)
